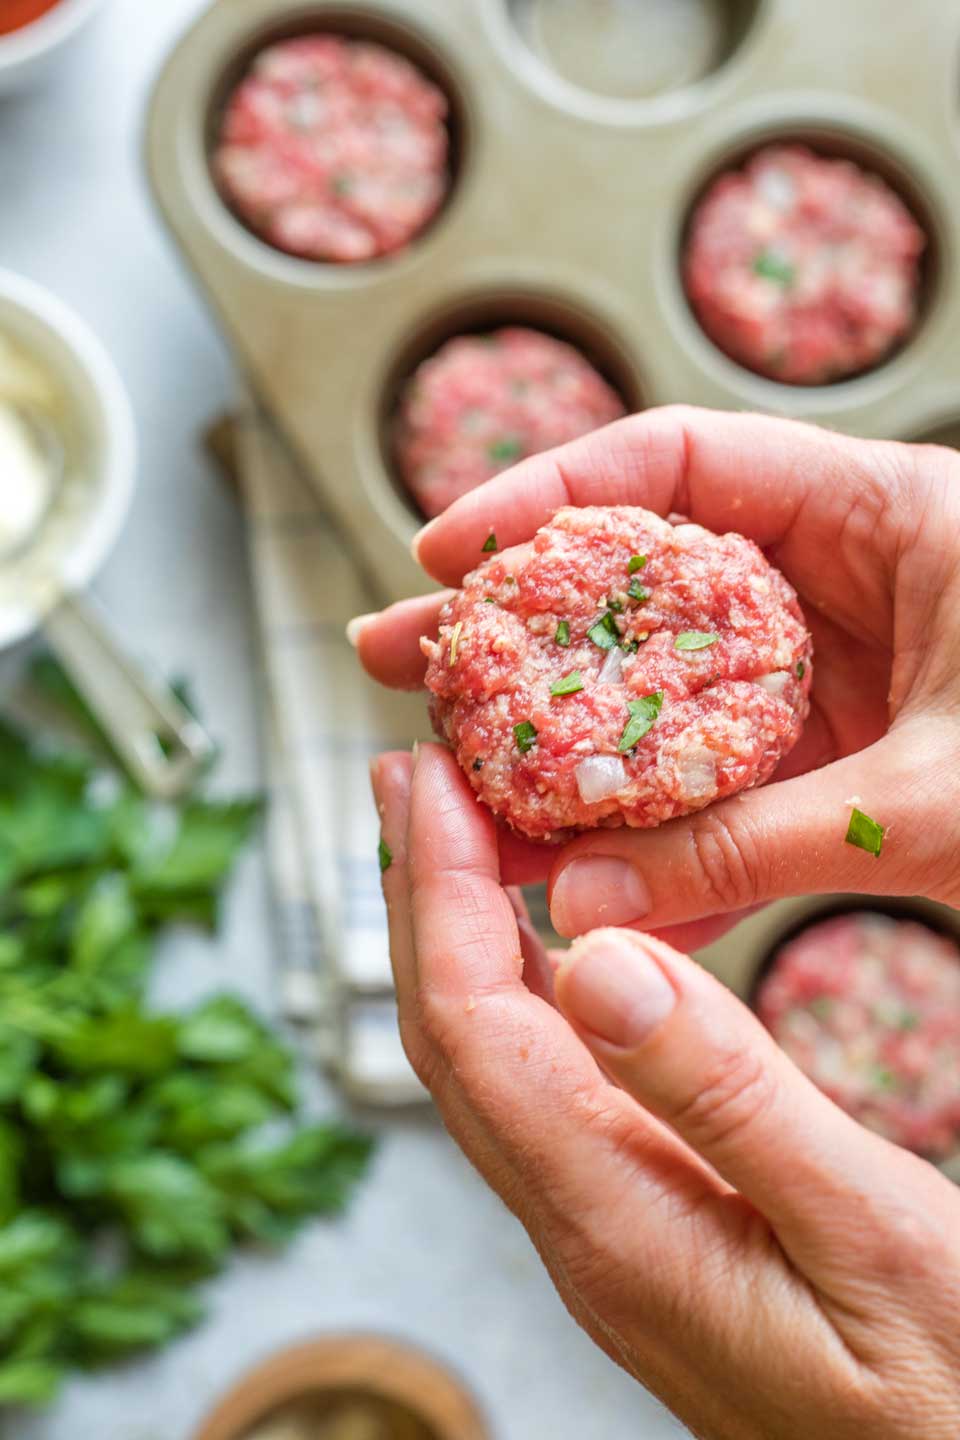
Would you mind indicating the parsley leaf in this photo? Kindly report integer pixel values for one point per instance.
(774, 267)
(503, 451)
(605, 633)
(864, 833)
(384, 855)
(694, 640)
(562, 637)
(525, 735)
(569, 685)
(489, 545)
(643, 715)
(635, 563)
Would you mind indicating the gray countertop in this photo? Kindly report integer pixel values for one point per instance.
(426, 1252)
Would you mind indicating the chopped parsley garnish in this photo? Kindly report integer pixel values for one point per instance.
(638, 592)
(569, 685)
(865, 833)
(501, 452)
(384, 855)
(643, 714)
(694, 640)
(615, 605)
(455, 641)
(630, 647)
(489, 545)
(801, 669)
(489, 600)
(605, 634)
(635, 563)
(525, 735)
(562, 636)
(774, 267)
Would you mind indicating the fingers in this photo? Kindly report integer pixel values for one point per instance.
(750, 473)
(785, 839)
(390, 776)
(515, 1086)
(690, 1052)
(537, 967)
(522, 861)
(388, 643)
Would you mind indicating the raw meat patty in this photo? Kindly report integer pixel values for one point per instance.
(869, 1007)
(482, 402)
(618, 670)
(334, 149)
(803, 268)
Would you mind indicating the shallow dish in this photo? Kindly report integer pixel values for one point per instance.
(28, 53)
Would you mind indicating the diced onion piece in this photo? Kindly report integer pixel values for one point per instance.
(776, 187)
(775, 683)
(690, 532)
(698, 773)
(611, 671)
(599, 777)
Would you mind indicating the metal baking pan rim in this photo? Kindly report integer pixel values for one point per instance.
(560, 308)
(887, 147)
(415, 40)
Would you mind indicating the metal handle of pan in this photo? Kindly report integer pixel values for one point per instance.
(159, 741)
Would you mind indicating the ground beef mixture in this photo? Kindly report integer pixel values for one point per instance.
(869, 1007)
(803, 268)
(334, 149)
(618, 670)
(483, 402)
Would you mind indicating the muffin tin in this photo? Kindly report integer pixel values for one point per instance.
(567, 210)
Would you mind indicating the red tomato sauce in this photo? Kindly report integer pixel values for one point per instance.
(14, 14)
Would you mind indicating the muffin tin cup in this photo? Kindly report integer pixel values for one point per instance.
(563, 194)
(741, 958)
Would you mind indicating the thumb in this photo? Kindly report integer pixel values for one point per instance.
(788, 838)
(682, 1045)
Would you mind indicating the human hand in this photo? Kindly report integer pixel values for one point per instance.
(768, 1268)
(869, 535)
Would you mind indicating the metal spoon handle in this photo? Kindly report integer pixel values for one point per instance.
(163, 747)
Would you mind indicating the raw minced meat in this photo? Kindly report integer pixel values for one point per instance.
(334, 149)
(869, 1007)
(802, 267)
(638, 621)
(483, 402)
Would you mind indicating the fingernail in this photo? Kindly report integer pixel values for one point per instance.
(611, 986)
(418, 539)
(375, 782)
(597, 890)
(355, 626)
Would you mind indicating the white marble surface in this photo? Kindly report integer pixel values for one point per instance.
(426, 1252)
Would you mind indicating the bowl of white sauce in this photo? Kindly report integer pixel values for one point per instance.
(67, 465)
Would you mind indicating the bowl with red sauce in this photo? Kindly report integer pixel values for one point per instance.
(32, 34)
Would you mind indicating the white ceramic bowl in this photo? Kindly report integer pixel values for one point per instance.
(25, 54)
(102, 448)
